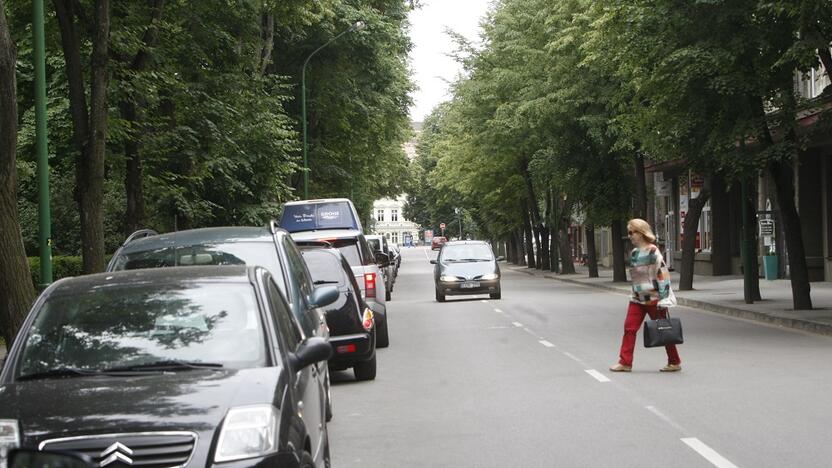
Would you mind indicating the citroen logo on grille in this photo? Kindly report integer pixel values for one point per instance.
(114, 453)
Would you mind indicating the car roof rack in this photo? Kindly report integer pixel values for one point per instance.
(141, 233)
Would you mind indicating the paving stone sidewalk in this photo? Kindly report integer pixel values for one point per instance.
(724, 295)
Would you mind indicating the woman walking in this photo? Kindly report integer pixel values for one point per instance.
(651, 284)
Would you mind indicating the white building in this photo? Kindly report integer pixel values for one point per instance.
(388, 216)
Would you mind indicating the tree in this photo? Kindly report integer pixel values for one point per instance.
(16, 289)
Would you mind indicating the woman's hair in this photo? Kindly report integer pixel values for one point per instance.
(640, 226)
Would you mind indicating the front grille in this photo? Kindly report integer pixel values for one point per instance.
(147, 450)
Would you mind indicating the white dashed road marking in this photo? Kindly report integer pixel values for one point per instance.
(498, 311)
(710, 454)
(598, 376)
(546, 344)
(517, 324)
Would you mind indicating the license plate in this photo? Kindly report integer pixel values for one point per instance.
(470, 284)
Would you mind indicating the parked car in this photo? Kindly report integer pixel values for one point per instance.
(437, 242)
(397, 253)
(187, 367)
(379, 244)
(269, 247)
(366, 268)
(351, 325)
(466, 267)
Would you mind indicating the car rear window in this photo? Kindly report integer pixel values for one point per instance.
(324, 267)
(318, 216)
(263, 254)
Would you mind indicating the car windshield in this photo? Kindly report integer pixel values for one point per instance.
(262, 254)
(467, 253)
(120, 327)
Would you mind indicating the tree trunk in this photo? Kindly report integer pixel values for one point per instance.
(133, 179)
(826, 60)
(641, 188)
(689, 229)
(592, 256)
(720, 228)
(529, 236)
(564, 211)
(518, 246)
(267, 41)
(554, 260)
(543, 263)
(510, 249)
(16, 289)
(92, 189)
(619, 270)
(783, 175)
(750, 238)
(536, 220)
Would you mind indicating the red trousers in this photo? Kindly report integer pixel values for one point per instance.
(635, 317)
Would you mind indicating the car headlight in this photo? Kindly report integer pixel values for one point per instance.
(249, 431)
(9, 438)
(490, 276)
(448, 278)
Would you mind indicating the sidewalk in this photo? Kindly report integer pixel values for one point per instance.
(724, 295)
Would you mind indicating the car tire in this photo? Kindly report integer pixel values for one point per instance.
(306, 460)
(365, 370)
(387, 295)
(496, 295)
(439, 296)
(382, 338)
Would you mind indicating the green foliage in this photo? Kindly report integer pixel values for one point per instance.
(62, 267)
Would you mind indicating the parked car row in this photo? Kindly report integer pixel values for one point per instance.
(203, 346)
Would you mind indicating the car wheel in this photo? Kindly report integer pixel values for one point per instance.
(306, 460)
(496, 295)
(382, 338)
(439, 296)
(365, 370)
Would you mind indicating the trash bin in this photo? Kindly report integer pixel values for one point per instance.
(770, 263)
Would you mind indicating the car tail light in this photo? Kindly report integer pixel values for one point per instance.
(367, 322)
(350, 348)
(370, 284)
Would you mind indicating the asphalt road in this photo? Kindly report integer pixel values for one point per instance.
(523, 381)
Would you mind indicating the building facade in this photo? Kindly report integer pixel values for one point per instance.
(389, 221)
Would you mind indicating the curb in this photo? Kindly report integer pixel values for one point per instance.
(785, 322)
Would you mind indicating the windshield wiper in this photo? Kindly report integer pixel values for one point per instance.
(167, 364)
(59, 372)
(325, 282)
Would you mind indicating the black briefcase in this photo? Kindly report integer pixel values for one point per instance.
(663, 332)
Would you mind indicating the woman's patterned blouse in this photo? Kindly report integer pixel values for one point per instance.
(651, 280)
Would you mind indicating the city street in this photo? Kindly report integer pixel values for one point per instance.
(523, 381)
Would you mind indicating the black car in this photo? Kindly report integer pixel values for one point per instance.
(269, 247)
(184, 367)
(351, 325)
(466, 267)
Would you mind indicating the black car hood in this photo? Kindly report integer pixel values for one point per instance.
(468, 270)
(195, 400)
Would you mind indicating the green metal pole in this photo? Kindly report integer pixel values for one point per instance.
(303, 112)
(44, 214)
(358, 25)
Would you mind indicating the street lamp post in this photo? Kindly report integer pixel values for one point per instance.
(44, 212)
(357, 26)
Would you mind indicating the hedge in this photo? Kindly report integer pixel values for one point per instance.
(62, 267)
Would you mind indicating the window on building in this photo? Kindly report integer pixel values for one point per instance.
(395, 237)
(380, 215)
(394, 215)
(705, 228)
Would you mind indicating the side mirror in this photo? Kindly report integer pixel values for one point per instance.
(382, 259)
(433, 262)
(315, 349)
(500, 258)
(323, 296)
(26, 458)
